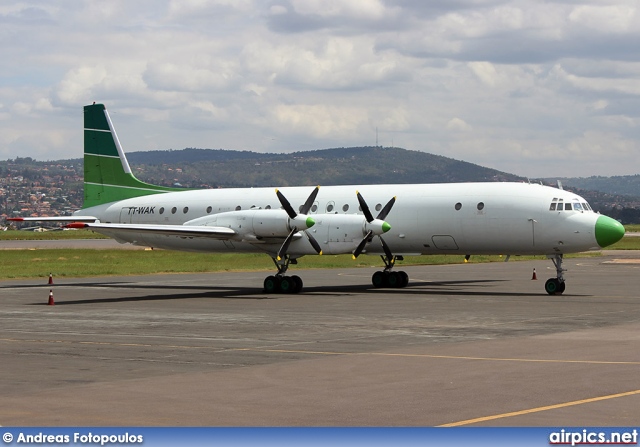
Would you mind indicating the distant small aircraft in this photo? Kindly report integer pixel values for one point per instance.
(288, 223)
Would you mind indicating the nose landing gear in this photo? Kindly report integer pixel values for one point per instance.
(556, 286)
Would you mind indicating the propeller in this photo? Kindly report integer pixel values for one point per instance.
(376, 226)
(298, 220)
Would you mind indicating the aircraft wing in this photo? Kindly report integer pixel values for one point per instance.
(169, 230)
(54, 219)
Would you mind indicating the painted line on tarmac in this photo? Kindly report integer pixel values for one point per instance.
(449, 357)
(540, 409)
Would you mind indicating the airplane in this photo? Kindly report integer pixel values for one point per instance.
(492, 218)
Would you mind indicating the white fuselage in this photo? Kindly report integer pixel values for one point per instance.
(464, 218)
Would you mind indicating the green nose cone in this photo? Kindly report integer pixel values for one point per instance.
(608, 231)
(310, 222)
(385, 227)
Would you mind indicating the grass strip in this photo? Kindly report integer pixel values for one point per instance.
(18, 264)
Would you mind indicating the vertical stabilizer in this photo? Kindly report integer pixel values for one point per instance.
(107, 175)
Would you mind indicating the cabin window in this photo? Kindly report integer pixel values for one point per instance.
(329, 208)
(185, 210)
(345, 207)
(173, 210)
(314, 208)
(238, 208)
(378, 207)
(162, 210)
(268, 207)
(458, 206)
(209, 209)
(480, 206)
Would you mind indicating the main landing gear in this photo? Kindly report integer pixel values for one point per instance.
(388, 278)
(279, 283)
(555, 286)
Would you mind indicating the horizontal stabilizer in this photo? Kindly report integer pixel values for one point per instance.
(168, 230)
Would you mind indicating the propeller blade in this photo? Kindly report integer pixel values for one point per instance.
(314, 243)
(309, 203)
(386, 209)
(285, 246)
(365, 208)
(385, 247)
(286, 205)
(362, 244)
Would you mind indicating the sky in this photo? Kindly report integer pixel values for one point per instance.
(533, 88)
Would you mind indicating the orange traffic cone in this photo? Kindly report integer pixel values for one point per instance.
(534, 277)
(51, 302)
(50, 278)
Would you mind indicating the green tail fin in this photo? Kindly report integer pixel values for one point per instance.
(107, 175)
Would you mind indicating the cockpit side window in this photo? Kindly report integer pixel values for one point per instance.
(552, 207)
(577, 207)
(567, 207)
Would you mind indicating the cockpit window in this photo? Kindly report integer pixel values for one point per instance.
(560, 205)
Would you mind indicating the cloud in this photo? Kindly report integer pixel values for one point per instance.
(494, 82)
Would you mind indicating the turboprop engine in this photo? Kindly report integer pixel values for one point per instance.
(257, 225)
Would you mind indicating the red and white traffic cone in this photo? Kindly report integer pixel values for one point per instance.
(534, 277)
(51, 302)
(50, 278)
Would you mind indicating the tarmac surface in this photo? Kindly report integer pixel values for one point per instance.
(471, 344)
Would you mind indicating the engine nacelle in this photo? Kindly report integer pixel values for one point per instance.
(257, 223)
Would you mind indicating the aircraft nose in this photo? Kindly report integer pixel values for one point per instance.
(608, 231)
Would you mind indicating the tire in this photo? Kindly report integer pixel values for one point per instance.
(271, 284)
(404, 279)
(378, 279)
(287, 285)
(394, 280)
(552, 286)
(298, 284)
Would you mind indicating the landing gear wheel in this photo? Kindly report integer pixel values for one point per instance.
(554, 286)
(393, 279)
(298, 284)
(271, 284)
(379, 279)
(404, 279)
(287, 285)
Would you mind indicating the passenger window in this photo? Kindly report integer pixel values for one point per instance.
(173, 210)
(567, 207)
(458, 206)
(480, 206)
(238, 208)
(345, 208)
(162, 210)
(209, 209)
(329, 208)
(553, 207)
